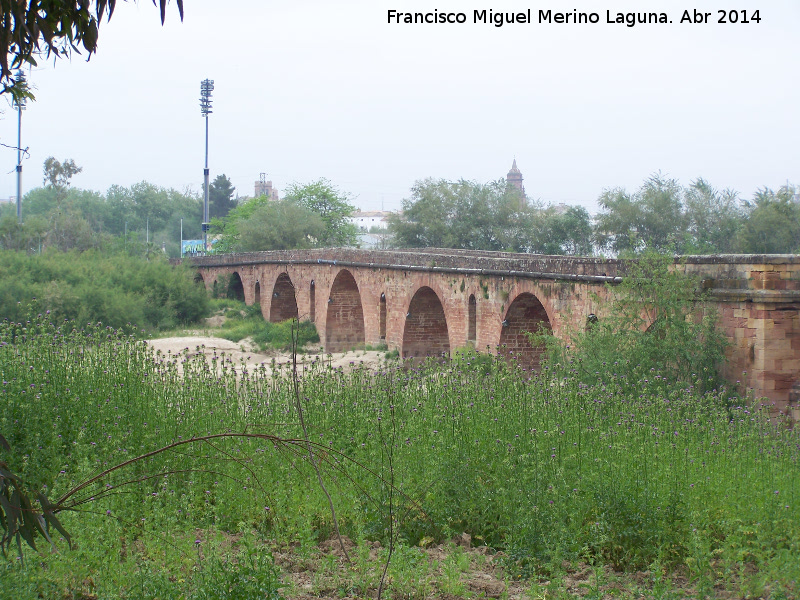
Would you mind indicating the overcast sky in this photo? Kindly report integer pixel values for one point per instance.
(308, 89)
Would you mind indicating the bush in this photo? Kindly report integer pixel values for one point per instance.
(657, 323)
(246, 321)
(93, 286)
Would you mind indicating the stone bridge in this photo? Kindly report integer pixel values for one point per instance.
(432, 301)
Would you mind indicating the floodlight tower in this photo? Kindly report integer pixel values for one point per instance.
(206, 87)
(20, 104)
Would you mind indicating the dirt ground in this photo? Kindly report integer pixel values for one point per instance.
(243, 353)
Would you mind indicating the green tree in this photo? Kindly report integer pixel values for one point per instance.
(280, 225)
(772, 225)
(142, 205)
(332, 206)
(713, 219)
(462, 214)
(58, 175)
(107, 286)
(562, 230)
(220, 197)
(264, 224)
(32, 28)
(650, 219)
(26, 237)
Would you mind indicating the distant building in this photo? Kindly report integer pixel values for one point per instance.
(514, 179)
(264, 188)
(366, 220)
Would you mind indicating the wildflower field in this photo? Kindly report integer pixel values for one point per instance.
(539, 467)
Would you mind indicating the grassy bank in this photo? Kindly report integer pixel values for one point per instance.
(542, 467)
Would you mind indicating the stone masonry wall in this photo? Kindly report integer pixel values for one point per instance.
(757, 298)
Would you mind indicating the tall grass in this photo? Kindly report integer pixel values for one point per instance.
(539, 465)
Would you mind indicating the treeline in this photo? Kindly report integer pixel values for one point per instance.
(65, 218)
(77, 219)
(314, 215)
(660, 216)
(114, 288)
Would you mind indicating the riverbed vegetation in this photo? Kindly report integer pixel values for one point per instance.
(241, 321)
(679, 492)
(118, 286)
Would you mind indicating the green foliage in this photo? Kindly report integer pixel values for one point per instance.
(543, 467)
(650, 219)
(333, 206)
(773, 223)
(713, 220)
(462, 214)
(476, 216)
(20, 516)
(41, 27)
(250, 574)
(66, 218)
(220, 197)
(657, 329)
(562, 230)
(115, 289)
(264, 224)
(664, 217)
(246, 321)
(309, 216)
(58, 175)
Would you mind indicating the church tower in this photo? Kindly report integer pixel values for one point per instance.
(514, 179)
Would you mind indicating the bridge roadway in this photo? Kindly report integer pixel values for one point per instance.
(427, 302)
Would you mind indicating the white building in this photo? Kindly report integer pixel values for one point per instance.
(366, 220)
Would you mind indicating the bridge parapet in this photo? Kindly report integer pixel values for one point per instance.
(428, 257)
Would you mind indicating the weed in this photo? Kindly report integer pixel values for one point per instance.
(545, 467)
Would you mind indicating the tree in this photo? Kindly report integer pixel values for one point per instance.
(25, 237)
(32, 28)
(280, 225)
(58, 175)
(462, 214)
(562, 230)
(650, 219)
(333, 207)
(773, 223)
(264, 224)
(220, 197)
(713, 219)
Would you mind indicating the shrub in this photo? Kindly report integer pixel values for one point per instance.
(657, 322)
(92, 286)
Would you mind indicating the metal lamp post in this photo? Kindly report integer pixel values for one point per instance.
(20, 104)
(206, 87)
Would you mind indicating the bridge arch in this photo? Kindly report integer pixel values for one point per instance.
(526, 314)
(283, 304)
(235, 289)
(344, 325)
(425, 332)
(257, 294)
(198, 278)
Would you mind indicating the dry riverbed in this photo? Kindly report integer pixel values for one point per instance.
(242, 353)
